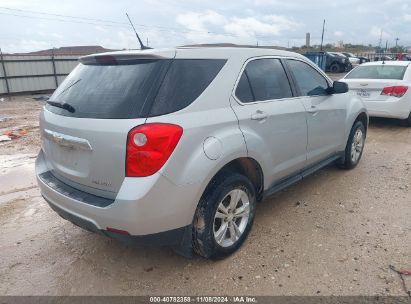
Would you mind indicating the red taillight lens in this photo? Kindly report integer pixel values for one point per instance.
(149, 146)
(399, 91)
(386, 91)
(396, 91)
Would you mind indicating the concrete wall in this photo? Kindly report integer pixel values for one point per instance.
(31, 73)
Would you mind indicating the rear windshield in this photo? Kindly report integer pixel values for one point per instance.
(378, 72)
(136, 89)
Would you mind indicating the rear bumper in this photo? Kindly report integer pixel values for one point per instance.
(175, 237)
(153, 210)
(399, 109)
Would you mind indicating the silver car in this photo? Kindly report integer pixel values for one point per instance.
(176, 146)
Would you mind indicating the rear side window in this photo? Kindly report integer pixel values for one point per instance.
(308, 80)
(263, 79)
(383, 71)
(135, 88)
(243, 91)
(184, 82)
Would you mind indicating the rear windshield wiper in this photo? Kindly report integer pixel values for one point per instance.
(75, 82)
(63, 105)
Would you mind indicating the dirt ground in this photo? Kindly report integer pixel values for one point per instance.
(335, 233)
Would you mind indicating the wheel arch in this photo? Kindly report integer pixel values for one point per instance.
(363, 117)
(246, 166)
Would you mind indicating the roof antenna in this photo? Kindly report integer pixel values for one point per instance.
(142, 46)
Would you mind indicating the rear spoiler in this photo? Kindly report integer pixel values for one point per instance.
(123, 56)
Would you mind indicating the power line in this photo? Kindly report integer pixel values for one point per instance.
(159, 28)
(65, 16)
(62, 20)
(112, 23)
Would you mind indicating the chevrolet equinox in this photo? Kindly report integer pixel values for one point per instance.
(176, 146)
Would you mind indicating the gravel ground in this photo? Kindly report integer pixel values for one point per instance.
(335, 233)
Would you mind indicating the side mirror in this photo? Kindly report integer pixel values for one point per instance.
(339, 87)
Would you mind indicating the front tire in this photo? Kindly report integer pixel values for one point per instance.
(355, 146)
(224, 216)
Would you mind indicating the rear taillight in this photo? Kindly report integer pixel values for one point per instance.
(396, 91)
(149, 146)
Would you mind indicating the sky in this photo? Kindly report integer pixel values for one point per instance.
(41, 24)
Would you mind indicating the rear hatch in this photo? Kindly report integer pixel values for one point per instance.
(368, 81)
(86, 121)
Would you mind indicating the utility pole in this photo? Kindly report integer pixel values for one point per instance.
(322, 36)
(379, 44)
(396, 41)
(4, 73)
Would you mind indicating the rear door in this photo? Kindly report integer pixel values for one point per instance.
(325, 113)
(85, 143)
(272, 120)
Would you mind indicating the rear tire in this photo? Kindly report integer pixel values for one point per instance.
(224, 216)
(335, 68)
(355, 146)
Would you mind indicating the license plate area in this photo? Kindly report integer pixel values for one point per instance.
(69, 161)
(364, 93)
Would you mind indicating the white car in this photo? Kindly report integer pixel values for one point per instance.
(384, 88)
(353, 60)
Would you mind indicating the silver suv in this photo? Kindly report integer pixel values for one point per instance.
(175, 147)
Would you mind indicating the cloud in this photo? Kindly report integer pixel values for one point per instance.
(378, 32)
(199, 21)
(338, 34)
(271, 25)
(29, 45)
(170, 22)
(212, 26)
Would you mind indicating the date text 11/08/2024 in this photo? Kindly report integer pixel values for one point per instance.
(205, 299)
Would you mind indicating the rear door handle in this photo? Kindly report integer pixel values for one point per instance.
(313, 110)
(259, 115)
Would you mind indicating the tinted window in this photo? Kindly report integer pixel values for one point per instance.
(308, 80)
(131, 89)
(243, 91)
(378, 72)
(184, 82)
(109, 91)
(266, 81)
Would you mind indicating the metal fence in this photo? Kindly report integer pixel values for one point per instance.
(380, 56)
(33, 73)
